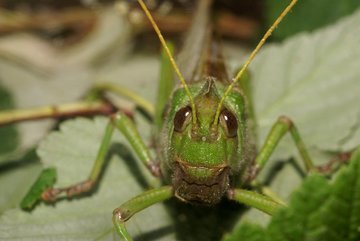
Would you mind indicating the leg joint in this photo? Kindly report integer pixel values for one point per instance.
(116, 117)
(121, 215)
(154, 168)
(230, 194)
(286, 120)
(119, 115)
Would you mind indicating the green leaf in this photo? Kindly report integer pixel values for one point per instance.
(339, 217)
(246, 232)
(292, 223)
(32, 88)
(308, 15)
(72, 151)
(319, 210)
(313, 79)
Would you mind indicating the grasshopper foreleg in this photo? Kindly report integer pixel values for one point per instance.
(256, 200)
(279, 129)
(269, 202)
(136, 204)
(126, 126)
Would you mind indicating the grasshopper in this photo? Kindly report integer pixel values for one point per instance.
(204, 144)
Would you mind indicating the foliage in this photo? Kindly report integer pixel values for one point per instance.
(319, 210)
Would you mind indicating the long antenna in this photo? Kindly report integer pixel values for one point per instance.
(171, 58)
(251, 57)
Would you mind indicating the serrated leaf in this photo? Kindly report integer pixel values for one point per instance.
(247, 232)
(318, 211)
(292, 223)
(308, 15)
(72, 151)
(32, 88)
(339, 217)
(313, 79)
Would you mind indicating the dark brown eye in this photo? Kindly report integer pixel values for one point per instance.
(229, 122)
(182, 118)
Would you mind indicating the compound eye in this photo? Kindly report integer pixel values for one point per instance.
(229, 121)
(182, 119)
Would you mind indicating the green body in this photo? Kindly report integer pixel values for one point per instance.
(201, 161)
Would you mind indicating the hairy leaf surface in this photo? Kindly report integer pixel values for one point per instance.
(315, 82)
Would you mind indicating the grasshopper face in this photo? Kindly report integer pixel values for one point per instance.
(201, 158)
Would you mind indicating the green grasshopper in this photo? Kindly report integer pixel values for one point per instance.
(204, 140)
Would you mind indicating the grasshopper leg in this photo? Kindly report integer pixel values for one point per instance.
(122, 91)
(270, 202)
(256, 200)
(84, 108)
(126, 126)
(279, 129)
(136, 204)
(95, 103)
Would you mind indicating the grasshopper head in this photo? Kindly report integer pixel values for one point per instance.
(202, 157)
